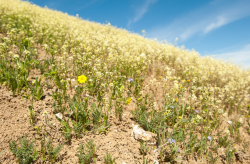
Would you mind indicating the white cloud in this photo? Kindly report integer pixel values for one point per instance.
(87, 5)
(141, 11)
(241, 56)
(201, 21)
(221, 20)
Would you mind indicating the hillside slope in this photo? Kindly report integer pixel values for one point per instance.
(79, 80)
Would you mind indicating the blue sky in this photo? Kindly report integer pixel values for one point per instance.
(211, 27)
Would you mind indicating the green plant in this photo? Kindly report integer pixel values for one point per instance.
(37, 88)
(42, 146)
(87, 156)
(144, 161)
(248, 129)
(171, 155)
(223, 141)
(118, 109)
(108, 159)
(80, 113)
(32, 115)
(60, 102)
(96, 114)
(234, 130)
(246, 145)
(67, 129)
(230, 154)
(26, 154)
(211, 158)
(53, 152)
(144, 148)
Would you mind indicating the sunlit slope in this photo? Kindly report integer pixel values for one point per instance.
(119, 48)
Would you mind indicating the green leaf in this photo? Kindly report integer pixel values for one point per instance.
(177, 160)
(184, 120)
(2, 152)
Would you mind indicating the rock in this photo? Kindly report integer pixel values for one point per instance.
(59, 115)
(140, 134)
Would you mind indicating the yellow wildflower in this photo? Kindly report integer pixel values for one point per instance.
(82, 79)
(129, 100)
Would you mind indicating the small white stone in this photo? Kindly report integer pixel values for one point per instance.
(59, 115)
(230, 122)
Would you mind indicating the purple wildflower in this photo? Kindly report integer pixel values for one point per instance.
(209, 138)
(130, 79)
(171, 141)
(178, 151)
(196, 111)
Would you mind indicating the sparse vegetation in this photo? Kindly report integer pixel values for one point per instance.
(96, 71)
(108, 159)
(87, 156)
(26, 154)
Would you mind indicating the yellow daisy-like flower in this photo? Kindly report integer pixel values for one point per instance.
(129, 100)
(82, 79)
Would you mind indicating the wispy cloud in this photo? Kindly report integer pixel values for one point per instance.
(141, 11)
(87, 5)
(202, 20)
(242, 56)
(221, 20)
